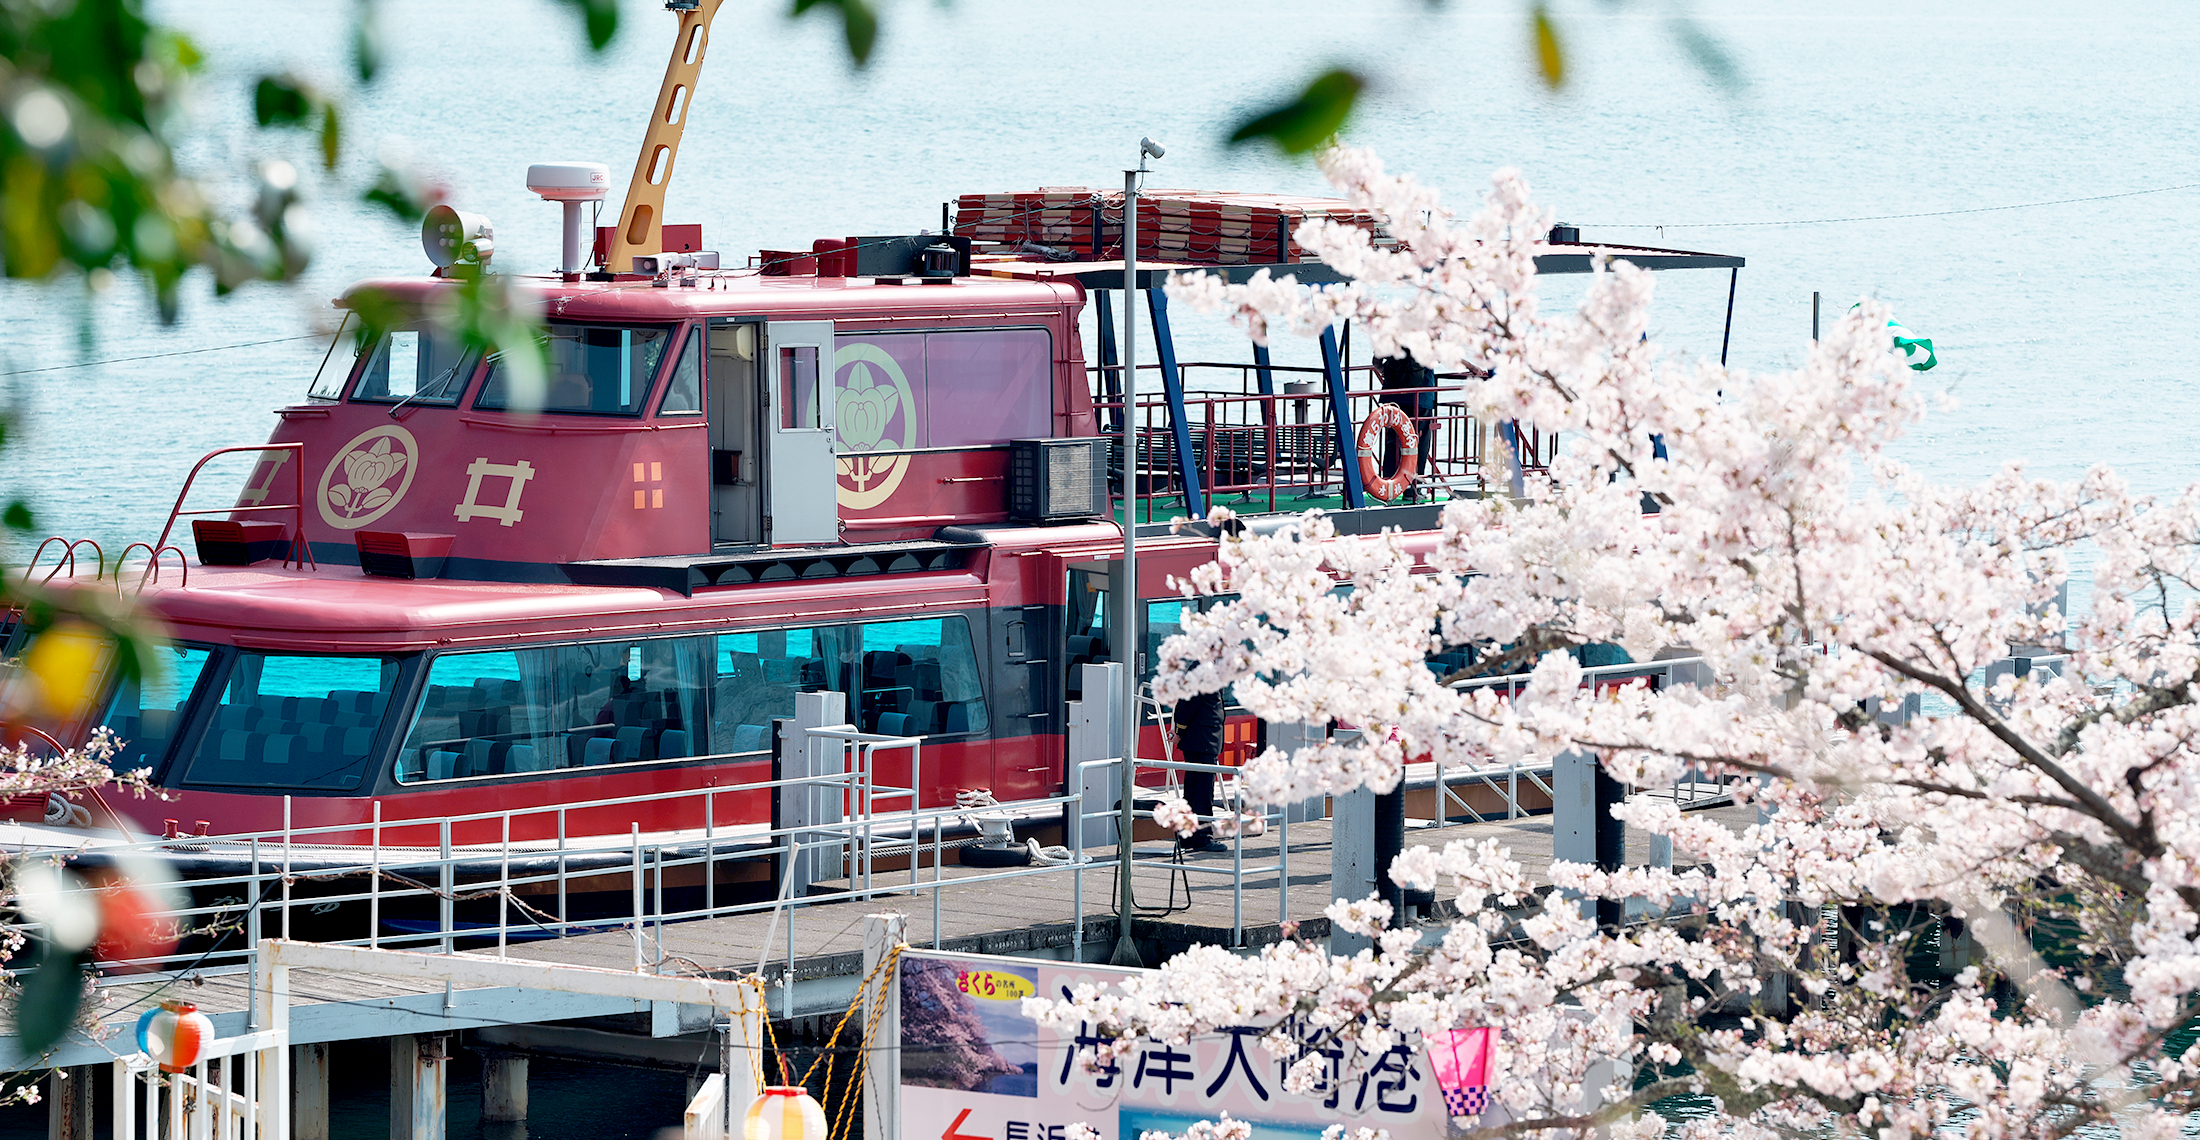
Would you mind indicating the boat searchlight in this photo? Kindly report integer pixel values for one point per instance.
(452, 236)
(570, 184)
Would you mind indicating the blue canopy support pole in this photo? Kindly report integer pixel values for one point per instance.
(1264, 370)
(1111, 377)
(1172, 382)
(1340, 410)
(1726, 336)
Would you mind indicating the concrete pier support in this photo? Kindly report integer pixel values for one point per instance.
(1351, 859)
(309, 1080)
(504, 1087)
(69, 1103)
(417, 1066)
(882, 1009)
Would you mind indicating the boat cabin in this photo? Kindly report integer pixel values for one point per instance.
(745, 411)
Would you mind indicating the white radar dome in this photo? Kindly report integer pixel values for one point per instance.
(569, 181)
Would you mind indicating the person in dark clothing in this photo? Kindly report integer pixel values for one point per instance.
(1199, 741)
(1404, 372)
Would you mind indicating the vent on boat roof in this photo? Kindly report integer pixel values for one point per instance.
(687, 573)
(402, 554)
(223, 542)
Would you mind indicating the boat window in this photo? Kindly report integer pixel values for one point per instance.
(418, 365)
(590, 369)
(565, 706)
(797, 394)
(295, 722)
(510, 712)
(920, 678)
(145, 714)
(1086, 641)
(328, 383)
(755, 677)
(953, 388)
(908, 678)
(684, 395)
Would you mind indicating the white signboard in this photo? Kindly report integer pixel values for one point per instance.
(973, 1067)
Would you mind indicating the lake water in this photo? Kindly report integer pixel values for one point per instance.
(2065, 331)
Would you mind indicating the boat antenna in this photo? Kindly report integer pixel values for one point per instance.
(1126, 587)
(643, 213)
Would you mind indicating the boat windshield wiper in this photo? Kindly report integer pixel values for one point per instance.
(432, 388)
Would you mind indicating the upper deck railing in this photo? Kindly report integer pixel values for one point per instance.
(1281, 450)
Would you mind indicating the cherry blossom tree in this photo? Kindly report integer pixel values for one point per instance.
(1786, 975)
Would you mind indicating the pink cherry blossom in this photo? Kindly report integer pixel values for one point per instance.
(2053, 818)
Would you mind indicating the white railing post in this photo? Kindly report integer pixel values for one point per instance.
(286, 866)
(374, 881)
(504, 886)
(253, 896)
(634, 835)
(446, 912)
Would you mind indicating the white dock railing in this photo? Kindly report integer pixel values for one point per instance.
(239, 1090)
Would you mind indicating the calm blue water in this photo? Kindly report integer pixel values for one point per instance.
(2065, 331)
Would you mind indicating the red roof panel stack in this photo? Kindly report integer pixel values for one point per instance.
(1199, 226)
(1060, 216)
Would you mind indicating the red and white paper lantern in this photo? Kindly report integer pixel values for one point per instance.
(784, 1112)
(175, 1036)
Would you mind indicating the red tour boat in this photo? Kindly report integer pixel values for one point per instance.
(879, 466)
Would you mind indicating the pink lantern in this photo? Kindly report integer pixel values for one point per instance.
(175, 1035)
(1461, 1058)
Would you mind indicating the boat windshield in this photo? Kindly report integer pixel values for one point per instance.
(146, 713)
(295, 721)
(416, 364)
(589, 370)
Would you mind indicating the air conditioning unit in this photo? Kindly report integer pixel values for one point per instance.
(1052, 480)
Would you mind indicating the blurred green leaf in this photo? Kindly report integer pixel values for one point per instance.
(50, 999)
(1549, 58)
(1308, 121)
(403, 190)
(489, 313)
(332, 136)
(600, 18)
(858, 21)
(18, 517)
(1708, 53)
(282, 100)
(366, 39)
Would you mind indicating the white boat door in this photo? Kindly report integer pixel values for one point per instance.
(802, 487)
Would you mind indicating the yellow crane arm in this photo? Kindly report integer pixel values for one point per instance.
(643, 212)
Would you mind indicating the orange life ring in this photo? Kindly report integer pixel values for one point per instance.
(1391, 418)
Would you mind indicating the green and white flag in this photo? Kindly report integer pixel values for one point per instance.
(1917, 351)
